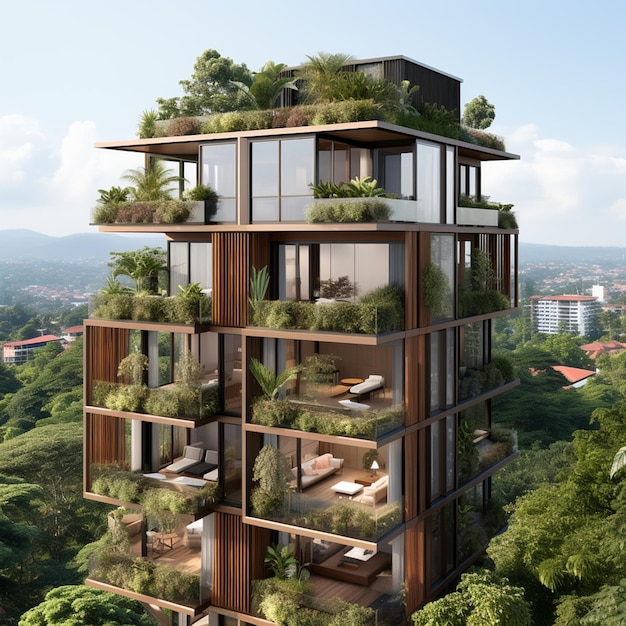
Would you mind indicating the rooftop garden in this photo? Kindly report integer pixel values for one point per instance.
(223, 96)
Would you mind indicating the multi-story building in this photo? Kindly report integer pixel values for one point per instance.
(565, 314)
(18, 352)
(371, 456)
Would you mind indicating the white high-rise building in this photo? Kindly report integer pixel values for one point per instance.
(565, 314)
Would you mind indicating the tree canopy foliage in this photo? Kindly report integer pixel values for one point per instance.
(565, 538)
(479, 113)
(211, 89)
(81, 605)
(480, 598)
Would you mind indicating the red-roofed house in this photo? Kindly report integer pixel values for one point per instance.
(70, 334)
(575, 376)
(597, 348)
(21, 351)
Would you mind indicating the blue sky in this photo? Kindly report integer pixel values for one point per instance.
(74, 72)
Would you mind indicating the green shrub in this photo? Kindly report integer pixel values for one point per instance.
(148, 308)
(172, 212)
(301, 115)
(161, 402)
(506, 217)
(337, 316)
(105, 214)
(129, 398)
(472, 302)
(183, 126)
(382, 309)
(288, 314)
(117, 306)
(346, 111)
(354, 211)
(101, 389)
(276, 413)
(136, 213)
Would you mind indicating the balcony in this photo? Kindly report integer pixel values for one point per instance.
(328, 493)
(161, 566)
(176, 309)
(155, 212)
(352, 419)
(379, 311)
(183, 401)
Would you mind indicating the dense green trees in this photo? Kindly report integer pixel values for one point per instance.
(482, 599)
(565, 538)
(81, 606)
(479, 113)
(52, 371)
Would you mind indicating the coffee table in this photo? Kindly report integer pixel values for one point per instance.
(351, 381)
(346, 488)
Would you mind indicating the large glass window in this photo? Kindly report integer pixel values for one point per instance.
(442, 369)
(429, 181)
(218, 169)
(281, 172)
(397, 172)
(338, 271)
(439, 281)
(190, 262)
(339, 162)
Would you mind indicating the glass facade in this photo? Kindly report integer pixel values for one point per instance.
(218, 169)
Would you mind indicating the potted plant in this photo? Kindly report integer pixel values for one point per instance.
(207, 199)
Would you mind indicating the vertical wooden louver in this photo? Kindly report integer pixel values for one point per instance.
(415, 564)
(239, 553)
(231, 267)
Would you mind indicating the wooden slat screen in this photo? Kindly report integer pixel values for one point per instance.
(414, 565)
(104, 442)
(412, 467)
(239, 554)
(231, 265)
(104, 349)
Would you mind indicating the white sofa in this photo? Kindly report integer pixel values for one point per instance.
(318, 468)
(375, 492)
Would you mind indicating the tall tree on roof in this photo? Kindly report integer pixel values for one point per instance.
(479, 113)
(211, 89)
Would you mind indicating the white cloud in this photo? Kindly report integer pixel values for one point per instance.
(19, 138)
(55, 192)
(563, 194)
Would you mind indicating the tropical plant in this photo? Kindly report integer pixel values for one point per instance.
(269, 382)
(152, 182)
(113, 196)
(320, 76)
(259, 282)
(354, 210)
(147, 124)
(266, 86)
(143, 266)
(283, 563)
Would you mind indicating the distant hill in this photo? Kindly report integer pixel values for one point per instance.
(27, 244)
(536, 253)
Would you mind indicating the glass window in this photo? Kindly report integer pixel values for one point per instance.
(450, 195)
(397, 172)
(281, 174)
(232, 374)
(429, 181)
(219, 171)
(264, 168)
(440, 296)
(190, 262)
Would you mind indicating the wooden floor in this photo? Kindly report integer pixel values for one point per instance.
(179, 556)
(329, 589)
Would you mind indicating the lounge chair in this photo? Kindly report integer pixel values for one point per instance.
(372, 383)
(191, 456)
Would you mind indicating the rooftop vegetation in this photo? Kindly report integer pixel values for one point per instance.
(222, 96)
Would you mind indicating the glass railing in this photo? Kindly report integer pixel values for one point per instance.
(182, 400)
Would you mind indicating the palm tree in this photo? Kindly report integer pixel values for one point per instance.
(321, 76)
(142, 266)
(151, 183)
(266, 86)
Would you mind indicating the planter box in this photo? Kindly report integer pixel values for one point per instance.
(471, 216)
